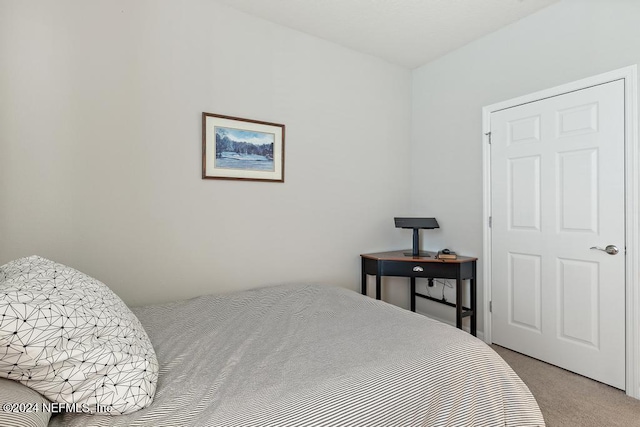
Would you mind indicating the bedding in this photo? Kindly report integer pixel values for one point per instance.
(21, 400)
(313, 355)
(69, 337)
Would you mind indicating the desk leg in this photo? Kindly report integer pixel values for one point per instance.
(474, 311)
(413, 294)
(458, 300)
(364, 280)
(379, 281)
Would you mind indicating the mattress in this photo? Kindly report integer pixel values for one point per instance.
(314, 355)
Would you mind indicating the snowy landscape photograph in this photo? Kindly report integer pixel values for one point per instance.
(235, 148)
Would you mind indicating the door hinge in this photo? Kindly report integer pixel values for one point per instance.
(490, 221)
(490, 306)
(488, 136)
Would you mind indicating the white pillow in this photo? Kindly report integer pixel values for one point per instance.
(69, 337)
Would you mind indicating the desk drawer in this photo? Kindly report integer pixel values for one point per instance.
(419, 269)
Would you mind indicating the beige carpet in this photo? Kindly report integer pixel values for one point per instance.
(567, 399)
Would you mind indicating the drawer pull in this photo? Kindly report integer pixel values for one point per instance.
(418, 268)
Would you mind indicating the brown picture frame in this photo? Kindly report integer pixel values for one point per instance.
(234, 148)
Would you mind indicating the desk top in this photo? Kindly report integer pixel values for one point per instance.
(399, 256)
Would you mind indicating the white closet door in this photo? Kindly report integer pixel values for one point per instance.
(557, 173)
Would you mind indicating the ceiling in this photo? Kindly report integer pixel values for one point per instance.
(409, 33)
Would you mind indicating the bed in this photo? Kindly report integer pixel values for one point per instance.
(317, 355)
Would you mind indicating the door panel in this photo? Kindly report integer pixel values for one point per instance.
(579, 287)
(578, 197)
(524, 287)
(524, 193)
(557, 174)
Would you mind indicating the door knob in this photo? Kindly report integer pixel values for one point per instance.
(611, 249)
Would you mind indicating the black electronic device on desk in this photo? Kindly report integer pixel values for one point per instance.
(416, 224)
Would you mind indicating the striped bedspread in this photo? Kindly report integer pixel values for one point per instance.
(314, 355)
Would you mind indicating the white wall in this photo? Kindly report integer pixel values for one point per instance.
(100, 147)
(562, 43)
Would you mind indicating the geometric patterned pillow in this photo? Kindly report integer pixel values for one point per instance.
(70, 338)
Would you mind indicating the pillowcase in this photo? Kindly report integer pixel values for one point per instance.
(70, 338)
(21, 406)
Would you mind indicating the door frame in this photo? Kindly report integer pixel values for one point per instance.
(632, 208)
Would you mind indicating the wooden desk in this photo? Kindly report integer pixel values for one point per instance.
(395, 263)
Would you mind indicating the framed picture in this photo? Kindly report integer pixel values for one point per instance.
(235, 148)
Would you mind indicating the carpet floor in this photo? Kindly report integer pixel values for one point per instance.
(567, 399)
